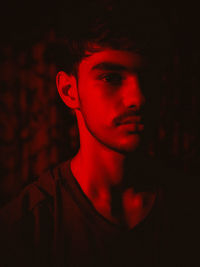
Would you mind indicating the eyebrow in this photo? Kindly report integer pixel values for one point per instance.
(109, 66)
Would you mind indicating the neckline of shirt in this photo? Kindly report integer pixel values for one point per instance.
(70, 182)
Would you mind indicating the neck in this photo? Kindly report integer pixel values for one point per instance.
(102, 174)
(99, 169)
(106, 166)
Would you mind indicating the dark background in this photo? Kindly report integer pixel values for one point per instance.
(37, 130)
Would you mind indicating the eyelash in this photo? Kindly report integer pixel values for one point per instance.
(112, 78)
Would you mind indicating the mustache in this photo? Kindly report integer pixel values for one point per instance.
(138, 114)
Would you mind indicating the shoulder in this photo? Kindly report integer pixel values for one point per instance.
(38, 194)
(27, 222)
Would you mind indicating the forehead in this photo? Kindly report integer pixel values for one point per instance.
(112, 59)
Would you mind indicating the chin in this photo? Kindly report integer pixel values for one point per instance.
(128, 144)
(129, 148)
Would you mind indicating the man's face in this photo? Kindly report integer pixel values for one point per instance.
(111, 98)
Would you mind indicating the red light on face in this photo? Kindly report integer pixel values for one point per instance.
(132, 127)
(131, 120)
(111, 98)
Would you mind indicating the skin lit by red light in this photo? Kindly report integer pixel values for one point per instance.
(114, 91)
(107, 100)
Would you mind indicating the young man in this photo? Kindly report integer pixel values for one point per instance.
(106, 206)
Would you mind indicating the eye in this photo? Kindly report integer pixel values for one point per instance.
(112, 78)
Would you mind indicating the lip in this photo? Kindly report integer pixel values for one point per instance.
(132, 127)
(131, 120)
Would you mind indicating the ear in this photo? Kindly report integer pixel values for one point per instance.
(67, 89)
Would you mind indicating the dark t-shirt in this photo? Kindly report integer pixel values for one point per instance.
(53, 223)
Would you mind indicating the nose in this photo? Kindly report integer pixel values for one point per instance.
(132, 93)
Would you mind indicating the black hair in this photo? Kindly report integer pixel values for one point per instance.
(124, 25)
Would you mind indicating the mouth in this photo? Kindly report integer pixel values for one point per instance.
(131, 120)
(133, 124)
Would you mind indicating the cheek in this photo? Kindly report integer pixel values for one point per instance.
(95, 103)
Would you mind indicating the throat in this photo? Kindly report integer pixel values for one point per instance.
(137, 206)
(129, 210)
(111, 192)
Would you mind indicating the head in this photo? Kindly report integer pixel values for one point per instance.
(110, 72)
